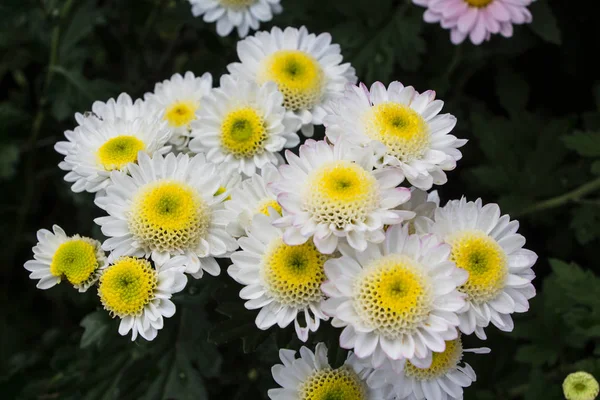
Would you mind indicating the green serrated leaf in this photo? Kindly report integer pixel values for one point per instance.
(544, 22)
(96, 326)
(586, 144)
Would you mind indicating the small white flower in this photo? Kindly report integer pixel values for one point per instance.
(423, 204)
(444, 379)
(169, 206)
(79, 260)
(402, 127)
(240, 14)
(253, 196)
(139, 294)
(311, 377)
(398, 299)
(178, 99)
(282, 281)
(307, 69)
(488, 247)
(242, 126)
(332, 192)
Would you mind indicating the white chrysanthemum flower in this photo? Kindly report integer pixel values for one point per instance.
(487, 246)
(253, 196)
(139, 294)
(178, 99)
(398, 299)
(123, 108)
(169, 206)
(79, 260)
(332, 192)
(444, 379)
(240, 14)
(310, 377)
(97, 147)
(307, 69)
(423, 204)
(403, 128)
(242, 126)
(282, 281)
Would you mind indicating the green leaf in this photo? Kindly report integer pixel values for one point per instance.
(586, 223)
(96, 327)
(9, 156)
(587, 144)
(544, 22)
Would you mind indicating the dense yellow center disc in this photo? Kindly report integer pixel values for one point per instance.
(243, 133)
(338, 384)
(263, 207)
(127, 286)
(236, 4)
(169, 215)
(402, 130)
(393, 295)
(484, 260)
(441, 363)
(341, 193)
(293, 274)
(76, 260)
(181, 113)
(298, 76)
(119, 151)
(478, 3)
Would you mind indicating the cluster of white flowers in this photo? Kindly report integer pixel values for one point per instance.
(343, 230)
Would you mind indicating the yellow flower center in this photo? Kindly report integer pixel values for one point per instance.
(478, 3)
(169, 215)
(181, 113)
(393, 295)
(243, 133)
(402, 130)
(127, 286)
(76, 260)
(341, 193)
(441, 363)
(484, 260)
(580, 386)
(263, 207)
(337, 384)
(236, 4)
(298, 76)
(293, 274)
(119, 151)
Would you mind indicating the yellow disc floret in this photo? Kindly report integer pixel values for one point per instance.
(580, 386)
(393, 295)
(181, 113)
(293, 274)
(478, 3)
(484, 260)
(337, 384)
(127, 286)
(441, 363)
(263, 207)
(341, 193)
(169, 215)
(119, 151)
(243, 133)
(237, 4)
(402, 130)
(298, 76)
(76, 260)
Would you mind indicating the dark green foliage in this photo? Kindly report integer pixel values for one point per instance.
(529, 105)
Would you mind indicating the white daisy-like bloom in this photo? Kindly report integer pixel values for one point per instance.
(307, 68)
(398, 299)
(488, 247)
(444, 379)
(97, 147)
(178, 99)
(402, 127)
(310, 377)
(242, 126)
(167, 206)
(139, 294)
(253, 196)
(333, 192)
(77, 259)
(124, 107)
(240, 14)
(423, 204)
(283, 281)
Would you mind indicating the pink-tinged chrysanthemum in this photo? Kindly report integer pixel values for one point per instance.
(477, 19)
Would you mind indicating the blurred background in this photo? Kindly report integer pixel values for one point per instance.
(529, 105)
